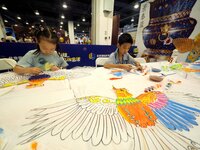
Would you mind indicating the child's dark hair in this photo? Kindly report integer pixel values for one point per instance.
(9, 33)
(47, 34)
(125, 38)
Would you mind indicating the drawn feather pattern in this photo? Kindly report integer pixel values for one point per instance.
(171, 114)
(148, 120)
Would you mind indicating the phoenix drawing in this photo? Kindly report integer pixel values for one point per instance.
(150, 119)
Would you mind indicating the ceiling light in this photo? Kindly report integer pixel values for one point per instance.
(64, 5)
(15, 25)
(132, 20)
(83, 31)
(37, 12)
(61, 22)
(42, 20)
(19, 18)
(62, 16)
(32, 26)
(4, 7)
(5, 20)
(83, 19)
(27, 23)
(136, 6)
(74, 28)
(61, 26)
(78, 24)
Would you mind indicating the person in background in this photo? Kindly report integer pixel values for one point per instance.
(10, 38)
(21, 40)
(3, 40)
(84, 38)
(81, 40)
(28, 39)
(76, 40)
(89, 41)
(67, 39)
(61, 40)
(45, 57)
(121, 58)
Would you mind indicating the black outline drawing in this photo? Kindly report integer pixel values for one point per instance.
(100, 123)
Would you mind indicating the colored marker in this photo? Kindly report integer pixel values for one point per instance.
(34, 146)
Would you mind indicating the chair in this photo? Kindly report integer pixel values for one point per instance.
(140, 60)
(100, 61)
(7, 63)
(179, 57)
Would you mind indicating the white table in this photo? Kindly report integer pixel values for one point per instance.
(15, 106)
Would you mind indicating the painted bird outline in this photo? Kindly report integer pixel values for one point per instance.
(145, 119)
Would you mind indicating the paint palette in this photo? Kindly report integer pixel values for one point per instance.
(156, 78)
(118, 74)
(155, 70)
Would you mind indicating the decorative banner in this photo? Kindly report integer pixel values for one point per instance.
(162, 21)
(75, 55)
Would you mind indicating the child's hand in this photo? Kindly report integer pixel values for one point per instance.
(139, 67)
(127, 67)
(34, 70)
(54, 68)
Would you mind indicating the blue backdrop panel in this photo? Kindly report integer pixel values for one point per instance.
(84, 55)
(75, 55)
